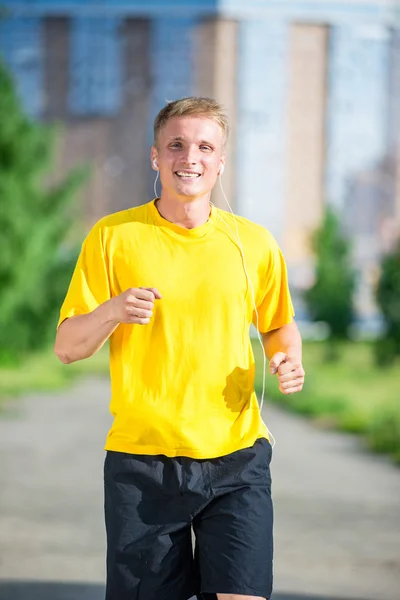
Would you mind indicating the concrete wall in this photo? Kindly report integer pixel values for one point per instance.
(393, 125)
(261, 117)
(305, 162)
(215, 67)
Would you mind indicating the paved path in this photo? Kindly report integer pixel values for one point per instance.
(337, 506)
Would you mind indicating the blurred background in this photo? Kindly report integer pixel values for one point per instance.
(312, 90)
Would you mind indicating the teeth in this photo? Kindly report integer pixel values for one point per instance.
(189, 175)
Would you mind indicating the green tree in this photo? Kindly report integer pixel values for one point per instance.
(35, 219)
(388, 299)
(330, 298)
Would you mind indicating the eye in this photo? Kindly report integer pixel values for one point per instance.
(204, 147)
(176, 145)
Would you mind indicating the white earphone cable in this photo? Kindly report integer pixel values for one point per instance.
(155, 184)
(239, 243)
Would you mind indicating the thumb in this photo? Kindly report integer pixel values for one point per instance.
(276, 360)
(155, 292)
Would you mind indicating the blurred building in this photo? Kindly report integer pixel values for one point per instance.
(369, 222)
(312, 89)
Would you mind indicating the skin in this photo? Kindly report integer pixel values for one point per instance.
(185, 145)
(188, 145)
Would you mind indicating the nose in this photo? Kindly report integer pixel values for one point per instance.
(191, 155)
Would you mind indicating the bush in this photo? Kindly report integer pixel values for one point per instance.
(388, 299)
(35, 219)
(330, 299)
(383, 433)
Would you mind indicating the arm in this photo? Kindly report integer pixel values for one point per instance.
(81, 336)
(283, 348)
(281, 337)
(286, 339)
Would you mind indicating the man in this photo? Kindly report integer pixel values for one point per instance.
(175, 285)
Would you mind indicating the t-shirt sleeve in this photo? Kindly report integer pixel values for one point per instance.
(275, 307)
(90, 285)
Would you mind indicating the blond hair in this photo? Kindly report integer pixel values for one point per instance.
(192, 106)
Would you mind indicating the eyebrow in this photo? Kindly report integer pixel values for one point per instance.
(180, 138)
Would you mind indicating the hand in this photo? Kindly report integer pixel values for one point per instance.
(290, 373)
(135, 305)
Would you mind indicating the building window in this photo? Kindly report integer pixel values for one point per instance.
(95, 66)
(22, 51)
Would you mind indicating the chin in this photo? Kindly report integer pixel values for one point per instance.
(190, 194)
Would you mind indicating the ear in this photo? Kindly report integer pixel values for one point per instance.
(153, 158)
(222, 165)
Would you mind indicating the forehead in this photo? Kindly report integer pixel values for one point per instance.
(192, 128)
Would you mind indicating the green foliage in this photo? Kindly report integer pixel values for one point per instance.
(388, 299)
(35, 218)
(384, 430)
(330, 299)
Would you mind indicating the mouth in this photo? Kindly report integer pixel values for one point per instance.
(187, 175)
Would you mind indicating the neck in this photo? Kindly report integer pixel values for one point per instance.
(188, 213)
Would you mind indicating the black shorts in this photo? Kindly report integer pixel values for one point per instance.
(153, 502)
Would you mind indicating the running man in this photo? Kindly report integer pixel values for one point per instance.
(175, 285)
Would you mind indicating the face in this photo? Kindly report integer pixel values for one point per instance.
(190, 155)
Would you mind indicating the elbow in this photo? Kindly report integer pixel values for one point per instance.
(62, 353)
(67, 357)
(63, 356)
(60, 350)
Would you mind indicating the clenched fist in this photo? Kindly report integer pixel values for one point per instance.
(289, 371)
(135, 305)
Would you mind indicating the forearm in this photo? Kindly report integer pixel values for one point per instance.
(82, 336)
(286, 339)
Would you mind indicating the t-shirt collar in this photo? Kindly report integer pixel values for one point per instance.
(196, 232)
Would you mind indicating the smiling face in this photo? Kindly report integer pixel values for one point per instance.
(190, 154)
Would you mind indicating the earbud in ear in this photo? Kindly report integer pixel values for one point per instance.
(155, 164)
(221, 169)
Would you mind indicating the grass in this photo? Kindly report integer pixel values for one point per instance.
(351, 394)
(43, 371)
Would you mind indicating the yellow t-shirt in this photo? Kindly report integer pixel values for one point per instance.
(183, 385)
